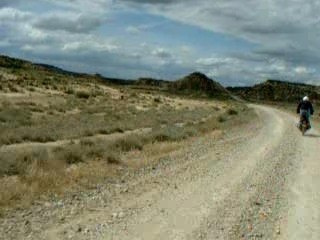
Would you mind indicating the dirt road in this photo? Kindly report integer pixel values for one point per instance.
(258, 182)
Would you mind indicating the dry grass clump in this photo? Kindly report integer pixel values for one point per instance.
(71, 154)
(15, 117)
(172, 133)
(221, 119)
(232, 111)
(129, 143)
(157, 100)
(83, 94)
(69, 90)
(13, 88)
(18, 162)
(112, 158)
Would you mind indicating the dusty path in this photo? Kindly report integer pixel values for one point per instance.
(258, 182)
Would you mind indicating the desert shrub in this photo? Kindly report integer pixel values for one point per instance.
(170, 133)
(222, 119)
(103, 131)
(89, 133)
(13, 88)
(69, 90)
(16, 117)
(133, 95)
(112, 158)
(71, 154)
(6, 139)
(83, 94)
(37, 135)
(157, 100)
(31, 89)
(96, 93)
(95, 151)
(117, 129)
(232, 111)
(208, 125)
(19, 163)
(87, 142)
(38, 109)
(128, 143)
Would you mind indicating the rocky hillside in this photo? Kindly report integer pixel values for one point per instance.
(152, 83)
(274, 90)
(39, 71)
(193, 85)
(198, 84)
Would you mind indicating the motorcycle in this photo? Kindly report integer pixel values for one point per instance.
(304, 124)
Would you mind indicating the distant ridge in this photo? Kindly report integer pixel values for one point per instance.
(276, 90)
(151, 82)
(195, 84)
(15, 63)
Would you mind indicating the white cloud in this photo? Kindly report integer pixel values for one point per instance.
(286, 37)
(12, 15)
(90, 45)
(216, 61)
(133, 30)
(302, 70)
(69, 21)
(286, 31)
(161, 53)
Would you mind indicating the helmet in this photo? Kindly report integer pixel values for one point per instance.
(306, 98)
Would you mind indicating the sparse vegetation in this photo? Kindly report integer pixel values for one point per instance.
(279, 91)
(83, 94)
(68, 127)
(232, 111)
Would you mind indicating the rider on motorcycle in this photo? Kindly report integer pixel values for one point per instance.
(305, 109)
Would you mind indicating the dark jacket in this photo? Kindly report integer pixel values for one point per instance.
(305, 105)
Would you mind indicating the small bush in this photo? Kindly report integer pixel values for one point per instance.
(118, 130)
(70, 155)
(131, 142)
(157, 100)
(103, 131)
(83, 94)
(232, 111)
(38, 109)
(87, 142)
(171, 133)
(94, 151)
(89, 133)
(13, 88)
(16, 117)
(221, 119)
(69, 91)
(21, 162)
(112, 158)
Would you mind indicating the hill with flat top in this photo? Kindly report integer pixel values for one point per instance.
(275, 90)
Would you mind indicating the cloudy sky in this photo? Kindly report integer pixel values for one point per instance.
(235, 42)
